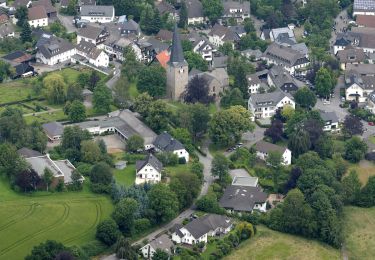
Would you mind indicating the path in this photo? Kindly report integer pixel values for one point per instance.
(43, 112)
(341, 22)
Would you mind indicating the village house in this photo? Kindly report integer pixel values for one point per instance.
(53, 130)
(117, 48)
(358, 37)
(200, 229)
(253, 55)
(220, 34)
(6, 30)
(371, 102)
(62, 170)
(351, 56)
(291, 60)
(148, 170)
(340, 44)
(20, 62)
(37, 16)
(94, 34)
(359, 81)
(47, 4)
(265, 105)
(87, 52)
(331, 121)
(365, 21)
(124, 123)
(243, 199)
(166, 8)
(264, 148)
(98, 13)
(195, 12)
(244, 180)
(254, 83)
(162, 242)
(27, 152)
(277, 76)
(53, 50)
(237, 10)
(130, 27)
(166, 143)
(18, 3)
(363, 7)
(202, 46)
(279, 35)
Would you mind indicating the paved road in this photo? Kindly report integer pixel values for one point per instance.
(116, 75)
(67, 22)
(341, 23)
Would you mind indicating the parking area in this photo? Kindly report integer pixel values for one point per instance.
(113, 142)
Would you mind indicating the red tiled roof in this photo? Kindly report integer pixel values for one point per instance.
(163, 57)
(37, 12)
(366, 20)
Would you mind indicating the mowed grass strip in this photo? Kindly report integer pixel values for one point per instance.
(68, 217)
(125, 176)
(268, 244)
(360, 232)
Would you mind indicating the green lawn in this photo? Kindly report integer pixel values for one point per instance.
(28, 220)
(364, 169)
(175, 170)
(15, 91)
(268, 244)
(360, 232)
(372, 139)
(126, 176)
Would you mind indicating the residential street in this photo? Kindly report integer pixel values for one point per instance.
(116, 75)
(341, 23)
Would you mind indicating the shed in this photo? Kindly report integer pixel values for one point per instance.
(120, 165)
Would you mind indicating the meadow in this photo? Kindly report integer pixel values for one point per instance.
(67, 217)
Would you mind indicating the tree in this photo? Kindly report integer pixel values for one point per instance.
(102, 100)
(124, 215)
(93, 80)
(198, 91)
(83, 80)
(21, 15)
(107, 232)
(366, 197)
(213, 9)
(244, 230)
(158, 115)
(152, 79)
(131, 66)
(90, 151)
(150, 20)
(353, 126)
(11, 163)
(27, 180)
(74, 92)
(142, 103)
(72, 138)
(124, 249)
(248, 25)
(135, 143)
(227, 126)
(314, 128)
(6, 71)
(77, 111)
(305, 97)
(352, 187)
(184, 136)
(101, 178)
(274, 160)
(324, 146)
(47, 177)
(195, 61)
(238, 67)
(195, 118)
(25, 35)
(323, 82)
(299, 143)
(234, 97)
(186, 187)
(71, 9)
(275, 131)
(163, 202)
(208, 203)
(220, 167)
(55, 88)
(160, 255)
(47, 250)
(295, 173)
(355, 149)
(183, 16)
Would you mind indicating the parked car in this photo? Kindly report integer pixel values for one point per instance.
(371, 123)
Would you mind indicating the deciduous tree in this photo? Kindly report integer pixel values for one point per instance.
(163, 203)
(152, 79)
(124, 215)
(305, 97)
(102, 100)
(107, 232)
(198, 91)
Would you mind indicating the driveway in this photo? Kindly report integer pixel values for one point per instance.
(67, 22)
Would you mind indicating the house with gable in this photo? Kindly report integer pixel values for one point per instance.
(166, 143)
(94, 34)
(265, 105)
(37, 16)
(195, 12)
(280, 78)
(359, 81)
(279, 35)
(351, 55)
(220, 34)
(88, 52)
(98, 13)
(237, 10)
(53, 130)
(263, 149)
(148, 170)
(363, 7)
(52, 50)
(166, 8)
(162, 242)
(201, 228)
(331, 121)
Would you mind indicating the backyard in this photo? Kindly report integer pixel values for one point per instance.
(269, 244)
(126, 176)
(28, 220)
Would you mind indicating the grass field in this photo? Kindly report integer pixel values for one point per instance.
(28, 220)
(269, 244)
(126, 176)
(15, 91)
(360, 232)
(365, 169)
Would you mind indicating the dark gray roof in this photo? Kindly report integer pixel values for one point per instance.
(177, 54)
(165, 7)
(224, 32)
(351, 55)
(268, 99)
(91, 32)
(53, 128)
(280, 77)
(371, 97)
(342, 42)
(240, 198)
(53, 46)
(97, 10)
(130, 25)
(89, 48)
(329, 116)
(266, 147)
(167, 143)
(244, 5)
(47, 4)
(150, 159)
(27, 153)
(220, 62)
(194, 8)
(207, 223)
(285, 55)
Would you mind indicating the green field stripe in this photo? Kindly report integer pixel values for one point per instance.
(98, 208)
(42, 231)
(19, 218)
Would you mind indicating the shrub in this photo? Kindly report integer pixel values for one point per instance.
(107, 232)
(141, 225)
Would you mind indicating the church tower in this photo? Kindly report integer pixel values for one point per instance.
(177, 69)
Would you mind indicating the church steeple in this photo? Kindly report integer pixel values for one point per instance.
(177, 54)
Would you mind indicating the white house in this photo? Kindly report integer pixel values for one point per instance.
(331, 121)
(166, 143)
(265, 105)
(200, 229)
(53, 130)
(238, 10)
(117, 48)
(55, 50)
(264, 148)
(3, 3)
(94, 34)
(148, 170)
(98, 13)
(220, 34)
(202, 47)
(359, 81)
(254, 83)
(195, 12)
(37, 16)
(371, 102)
(363, 7)
(163, 243)
(92, 54)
